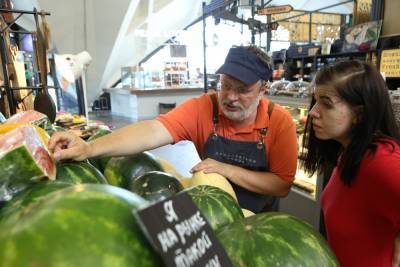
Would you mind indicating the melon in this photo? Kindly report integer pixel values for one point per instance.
(275, 239)
(89, 225)
(121, 171)
(247, 213)
(156, 185)
(169, 168)
(216, 205)
(213, 179)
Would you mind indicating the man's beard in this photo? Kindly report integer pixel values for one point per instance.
(241, 114)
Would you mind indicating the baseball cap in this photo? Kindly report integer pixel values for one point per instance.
(244, 65)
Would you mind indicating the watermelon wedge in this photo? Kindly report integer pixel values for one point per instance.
(24, 160)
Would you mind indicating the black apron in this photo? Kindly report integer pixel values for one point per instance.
(246, 154)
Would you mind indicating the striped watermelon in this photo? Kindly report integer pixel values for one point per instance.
(156, 185)
(99, 163)
(120, 171)
(33, 194)
(275, 239)
(83, 225)
(79, 172)
(217, 206)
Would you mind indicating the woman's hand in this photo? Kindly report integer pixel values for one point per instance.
(66, 145)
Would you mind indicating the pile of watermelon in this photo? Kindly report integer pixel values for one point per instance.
(85, 216)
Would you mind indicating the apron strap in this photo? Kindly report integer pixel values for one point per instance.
(270, 108)
(215, 108)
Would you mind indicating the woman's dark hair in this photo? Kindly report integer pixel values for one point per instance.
(363, 88)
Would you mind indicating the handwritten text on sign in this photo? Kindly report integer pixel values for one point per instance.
(390, 63)
(181, 235)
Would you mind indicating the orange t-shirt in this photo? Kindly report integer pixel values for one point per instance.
(192, 120)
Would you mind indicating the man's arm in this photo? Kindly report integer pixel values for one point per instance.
(135, 138)
(265, 183)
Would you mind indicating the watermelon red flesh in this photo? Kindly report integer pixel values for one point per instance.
(83, 225)
(99, 163)
(33, 194)
(121, 171)
(156, 185)
(275, 239)
(79, 172)
(216, 205)
(23, 160)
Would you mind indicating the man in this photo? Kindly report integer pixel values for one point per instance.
(238, 133)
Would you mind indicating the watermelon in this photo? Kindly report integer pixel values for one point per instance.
(99, 163)
(120, 171)
(34, 193)
(83, 225)
(24, 160)
(213, 179)
(275, 239)
(79, 172)
(156, 185)
(216, 205)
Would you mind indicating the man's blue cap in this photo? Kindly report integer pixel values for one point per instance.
(244, 65)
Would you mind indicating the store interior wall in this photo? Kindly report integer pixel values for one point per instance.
(391, 25)
(116, 34)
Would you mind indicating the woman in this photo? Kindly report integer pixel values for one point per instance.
(351, 125)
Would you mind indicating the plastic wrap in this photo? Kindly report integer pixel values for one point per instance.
(32, 117)
(299, 88)
(24, 159)
(278, 87)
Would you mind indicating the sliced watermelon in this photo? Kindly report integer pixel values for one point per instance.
(31, 116)
(24, 160)
(78, 173)
(217, 206)
(156, 185)
(275, 239)
(83, 225)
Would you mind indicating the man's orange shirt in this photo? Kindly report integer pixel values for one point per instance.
(192, 120)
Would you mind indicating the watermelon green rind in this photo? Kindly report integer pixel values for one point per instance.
(18, 169)
(275, 239)
(156, 185)
(84, 225)
(34, 193)
(99, 163)
(216, 205)
(79, 172)
(121, 171)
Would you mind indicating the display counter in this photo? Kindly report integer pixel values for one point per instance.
(140, 104)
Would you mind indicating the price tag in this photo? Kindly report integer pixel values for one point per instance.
(180, 234)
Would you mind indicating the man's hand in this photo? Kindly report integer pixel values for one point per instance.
(396, 252)
(66, 145)
(210, 165)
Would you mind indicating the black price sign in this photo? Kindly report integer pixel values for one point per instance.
(180, 234)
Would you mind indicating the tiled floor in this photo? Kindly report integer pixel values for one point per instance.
(183, 155)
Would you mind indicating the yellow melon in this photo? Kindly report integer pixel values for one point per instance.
(167, 167)
(213, 179)
(247, 213)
